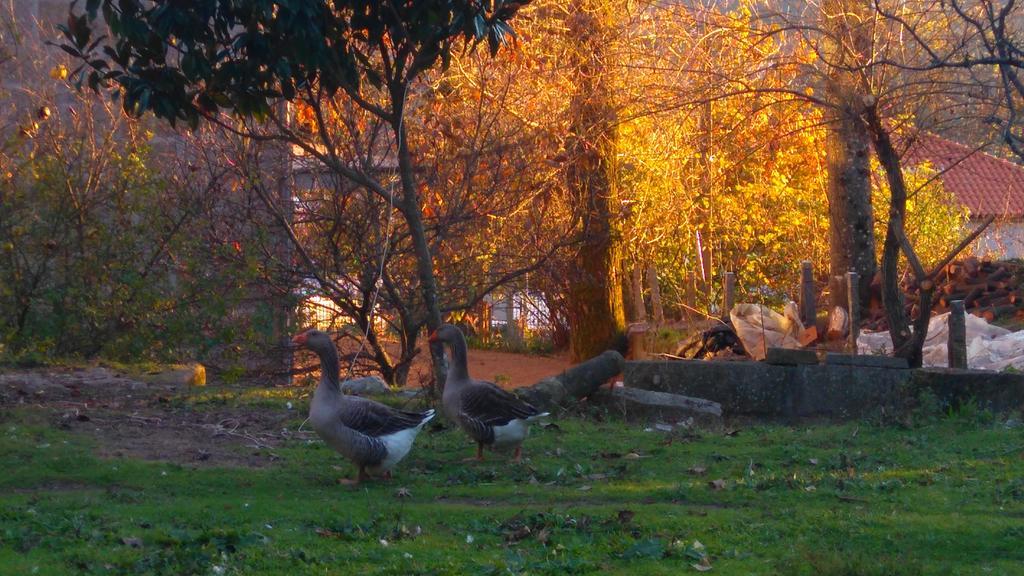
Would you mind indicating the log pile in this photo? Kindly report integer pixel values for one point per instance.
(993, 290)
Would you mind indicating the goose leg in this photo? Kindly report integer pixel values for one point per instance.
(479, 454)
(359, 478)
(517, 456)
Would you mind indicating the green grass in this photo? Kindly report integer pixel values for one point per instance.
(943, 497)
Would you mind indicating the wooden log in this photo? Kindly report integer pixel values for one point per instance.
(807, 304)
(971, 266)
(993, 313)
(1000, 301)
(957, 342)
(1000, 273)
(838, 324)
(853, 307)
(574, 384)
(972, 296)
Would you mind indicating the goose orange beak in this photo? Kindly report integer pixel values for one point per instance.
(433, 337)
(299, 339)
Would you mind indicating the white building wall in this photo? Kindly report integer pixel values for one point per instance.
(1001, 241)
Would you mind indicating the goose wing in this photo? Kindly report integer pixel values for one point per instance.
(376, 419)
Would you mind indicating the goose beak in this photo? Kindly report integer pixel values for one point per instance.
(433, 337)
(299, 339)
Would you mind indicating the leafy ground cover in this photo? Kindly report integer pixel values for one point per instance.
(939, 494)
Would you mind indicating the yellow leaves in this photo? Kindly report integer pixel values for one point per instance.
(59, 72)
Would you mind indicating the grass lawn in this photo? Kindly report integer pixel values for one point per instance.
(943, 496)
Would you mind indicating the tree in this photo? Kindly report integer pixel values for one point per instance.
(187, 62)
(594, 298)
(846, 26)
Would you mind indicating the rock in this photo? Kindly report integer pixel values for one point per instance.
(365, 386)
(790, 356)
(662, 407)
(869, 360)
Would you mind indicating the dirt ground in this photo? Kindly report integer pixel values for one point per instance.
(146, 418)
(507, 369)
(504, 368)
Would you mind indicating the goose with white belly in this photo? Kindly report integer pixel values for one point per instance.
(375, 437)
(491, 416)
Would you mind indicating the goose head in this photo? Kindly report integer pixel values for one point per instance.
(316, 340)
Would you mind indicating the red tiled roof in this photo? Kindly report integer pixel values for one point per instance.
(986, 185)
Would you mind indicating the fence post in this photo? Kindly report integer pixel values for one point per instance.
(807, 304)
(957, 345)
(655, 287)
(728, 295)
(853, 309)
(637, 292)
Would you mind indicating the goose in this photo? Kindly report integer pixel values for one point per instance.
(489, 415)
(373, 436)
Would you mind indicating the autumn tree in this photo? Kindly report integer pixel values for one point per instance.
(235, 63)
(594, 299)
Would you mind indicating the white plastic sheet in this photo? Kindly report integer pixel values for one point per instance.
(988, 347)
(759, 328)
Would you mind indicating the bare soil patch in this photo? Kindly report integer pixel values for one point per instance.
(508, 369)
(130, 418)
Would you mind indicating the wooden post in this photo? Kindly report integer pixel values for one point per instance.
(511, 328)
(853, 309)
(807, 304)
(957, 344)
(728, 295)
(652, 283)
(637, 289)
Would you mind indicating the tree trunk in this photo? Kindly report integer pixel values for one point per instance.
(411, 210)
(851, 219)
(905, 344)
(847, 152)
(594, 300)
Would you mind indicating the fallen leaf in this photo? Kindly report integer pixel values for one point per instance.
(519, 534)
(585, 488)
(698, 470)
(813, 461)
(403, 493)
(131, 541)
(626, 515)
(717, 484)
(632, 456)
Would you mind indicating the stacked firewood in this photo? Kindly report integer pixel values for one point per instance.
(993, 290)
